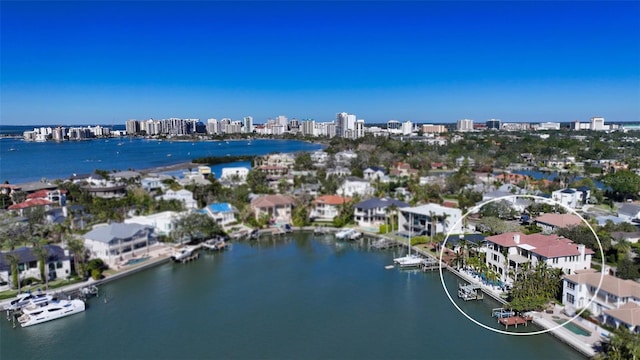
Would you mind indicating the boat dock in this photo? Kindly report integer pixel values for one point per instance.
(384, 243)
(515, 321)
(469, 292)
(430, 264)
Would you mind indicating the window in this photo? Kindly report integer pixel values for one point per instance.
(555, 260)
(570, 299)
(571, 285)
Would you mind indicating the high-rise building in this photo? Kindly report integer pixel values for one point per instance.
(433, 129)
(494, 124)
(248, 124)
(597, 123)
(465, 125)
(132, 127)
(359, 132)
(308, 128)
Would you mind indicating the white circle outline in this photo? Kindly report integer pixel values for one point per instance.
(477, 207)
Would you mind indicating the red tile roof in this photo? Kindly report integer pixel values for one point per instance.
(30, 203)
(331, 200)
(43, 193)
(271, 201)
(548, 246)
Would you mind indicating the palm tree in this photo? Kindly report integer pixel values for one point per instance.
(14, 260)
(392, 210)
(76, 246)
(41, 252)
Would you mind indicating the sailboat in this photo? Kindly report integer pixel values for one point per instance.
(411, 260)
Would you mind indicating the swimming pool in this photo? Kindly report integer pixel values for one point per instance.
(574, 328)
(136, 261)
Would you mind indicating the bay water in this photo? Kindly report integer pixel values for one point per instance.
(303, 296)
(22, 161)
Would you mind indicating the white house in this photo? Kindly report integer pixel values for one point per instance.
(319, 158)
(430, 219)
(162, 222)
(572, 198)
(327, 207)
(111, 242)
(345, 157)
(184, 196)
(373, 173)
(556, 252)
(222, 213)
(353, 186)
(614, 294)
(374, 212)
(232, 173)
(57, 265)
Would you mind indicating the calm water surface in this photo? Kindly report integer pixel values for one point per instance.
(22, 161)
(302, 297)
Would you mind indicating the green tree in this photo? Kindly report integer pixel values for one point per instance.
(14, 260)
(535, 287)
(257, 181)
(76, 246)
(625, 184)
(195, 227)
(622, 345)
(41, 252)
(303, 162)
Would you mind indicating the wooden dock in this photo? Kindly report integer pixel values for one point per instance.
(515, 321)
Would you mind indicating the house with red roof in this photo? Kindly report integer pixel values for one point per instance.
(551, 222)
(327, 207)
(507, 253)
(401, 169)
(277, 207)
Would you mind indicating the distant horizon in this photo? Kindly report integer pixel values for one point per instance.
(435, 62)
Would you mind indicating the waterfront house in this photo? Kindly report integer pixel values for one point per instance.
(111, 242)
(183, 196)
(629, 213)
(162, 222)
(57, 265)
(551, 222)
(277, 207)
(235, 174)
(353, 186)
(374, 212)
(279, 159)
(222, 213)
(327, 207)
(429, 219)
(507, 253)
(612, 302)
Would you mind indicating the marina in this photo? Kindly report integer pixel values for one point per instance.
(294, 277)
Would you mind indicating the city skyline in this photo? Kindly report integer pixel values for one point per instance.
(428, 62)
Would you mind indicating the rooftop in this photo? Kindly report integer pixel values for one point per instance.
(548, 246)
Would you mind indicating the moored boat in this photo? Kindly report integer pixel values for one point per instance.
(34, 314)
(27, 298)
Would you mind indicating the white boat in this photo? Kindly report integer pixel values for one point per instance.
(25, 299)
(182, 254)
(345, 234)
(355, 235)
(35, 314)
(409, 261)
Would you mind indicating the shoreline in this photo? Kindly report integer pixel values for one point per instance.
(162, 256)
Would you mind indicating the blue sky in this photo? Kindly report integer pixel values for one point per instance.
(105, 62)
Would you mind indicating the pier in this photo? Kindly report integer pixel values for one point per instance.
(470, 292)
(515, 321)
